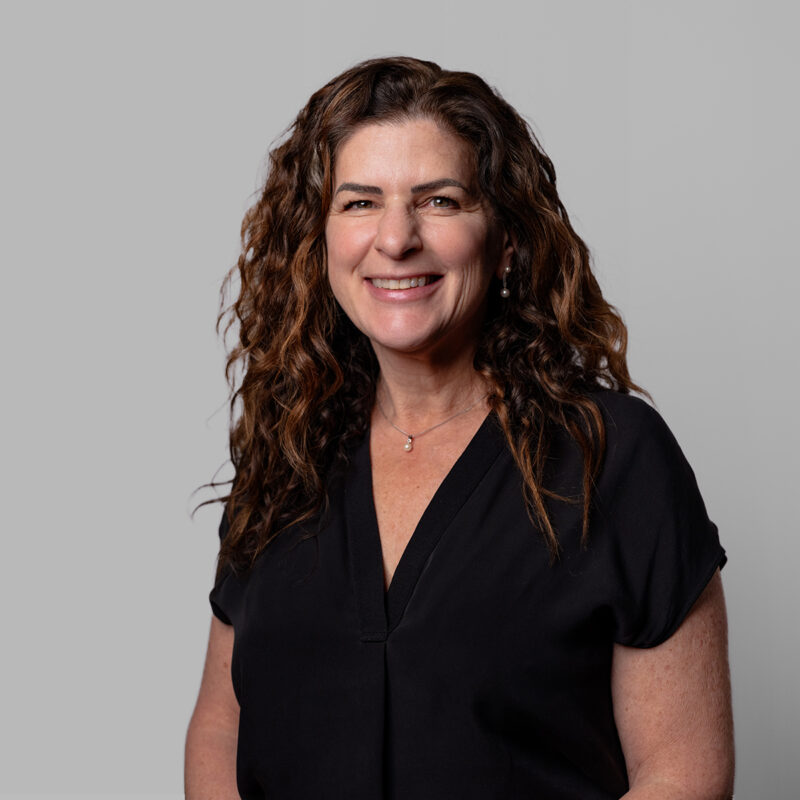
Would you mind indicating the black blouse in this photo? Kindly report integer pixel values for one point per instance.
(485, 670)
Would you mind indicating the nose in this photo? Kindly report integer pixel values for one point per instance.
(398, 233)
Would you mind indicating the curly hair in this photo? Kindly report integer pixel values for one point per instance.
(303, 378)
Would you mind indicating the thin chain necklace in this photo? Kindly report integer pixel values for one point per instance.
(409, 445)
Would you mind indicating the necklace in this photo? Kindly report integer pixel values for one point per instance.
(409, 445)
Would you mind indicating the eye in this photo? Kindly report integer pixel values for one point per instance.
(358, 204)
(440, 201)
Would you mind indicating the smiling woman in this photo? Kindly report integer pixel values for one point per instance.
(458, 558)
(411, 250)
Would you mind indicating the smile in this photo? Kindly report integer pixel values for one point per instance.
(404, 283)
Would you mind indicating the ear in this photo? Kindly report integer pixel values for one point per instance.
(509, 246)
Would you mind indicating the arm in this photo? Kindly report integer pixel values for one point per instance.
(210, 762)
(672, 705)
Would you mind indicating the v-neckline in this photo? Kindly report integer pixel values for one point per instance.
(381, 609)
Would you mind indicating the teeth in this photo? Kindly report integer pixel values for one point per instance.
(404, 283)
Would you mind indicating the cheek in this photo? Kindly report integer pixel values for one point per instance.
(471, 255)
(341, 255)
(335, 259)
(347, 244)
(338, 281)
(460, 245)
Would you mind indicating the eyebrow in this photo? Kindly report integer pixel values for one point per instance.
(420, 187)
(358, 187)
(434, 185)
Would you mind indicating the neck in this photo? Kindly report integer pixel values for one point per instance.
(416, 393)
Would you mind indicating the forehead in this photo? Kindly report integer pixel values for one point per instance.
(415, 150)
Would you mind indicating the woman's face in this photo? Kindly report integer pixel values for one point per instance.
(411, 247)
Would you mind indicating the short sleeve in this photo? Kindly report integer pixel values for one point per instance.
(227, 596)
(664, 548)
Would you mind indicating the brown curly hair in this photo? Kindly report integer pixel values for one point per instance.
(303, 378)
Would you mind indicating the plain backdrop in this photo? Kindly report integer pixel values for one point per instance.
(133, 139)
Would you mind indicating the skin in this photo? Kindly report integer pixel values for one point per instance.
(672, 705)
(210, 755)
(405, 205)
(392, 217)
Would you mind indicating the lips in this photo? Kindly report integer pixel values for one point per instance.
(404, 283)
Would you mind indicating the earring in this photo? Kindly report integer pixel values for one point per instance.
(504, 293)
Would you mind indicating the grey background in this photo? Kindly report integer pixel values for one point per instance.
(132, 139)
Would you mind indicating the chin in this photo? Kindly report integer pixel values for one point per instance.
(405, 336)
(407, 346)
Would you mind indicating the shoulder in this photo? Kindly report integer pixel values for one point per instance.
(632, 424)
(642, 457)
(626, 413)
(651, 530)
(632, 431)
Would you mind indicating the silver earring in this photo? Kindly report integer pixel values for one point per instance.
(504, 293)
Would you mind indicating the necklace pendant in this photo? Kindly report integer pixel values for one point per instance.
(409, 445)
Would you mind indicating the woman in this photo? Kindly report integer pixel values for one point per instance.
(458, 558)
